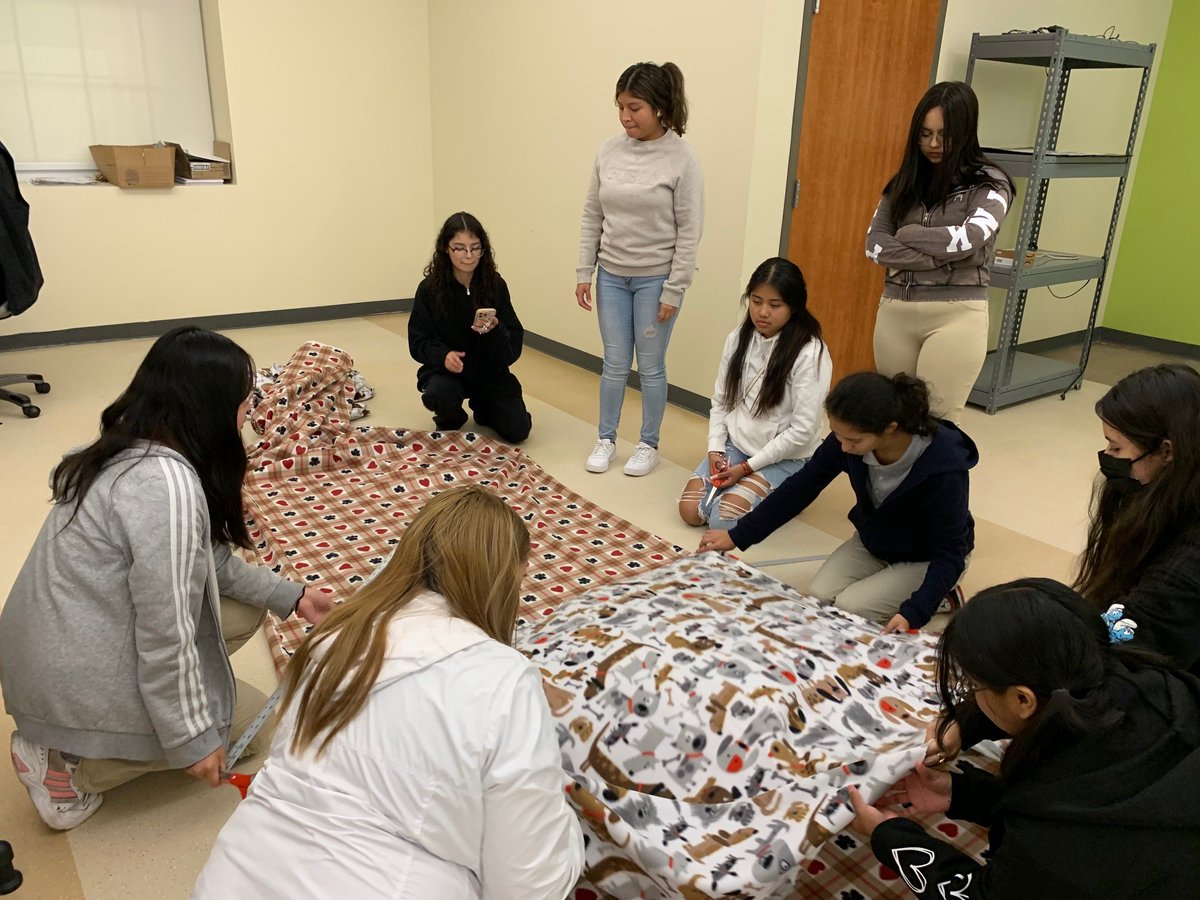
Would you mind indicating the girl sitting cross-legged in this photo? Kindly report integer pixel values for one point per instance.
(765, 417)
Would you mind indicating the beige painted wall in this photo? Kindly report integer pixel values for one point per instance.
(329, 112)
(523, 97)
(1096, 118)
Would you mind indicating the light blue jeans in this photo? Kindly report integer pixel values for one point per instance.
(775, 475)
(627, 309)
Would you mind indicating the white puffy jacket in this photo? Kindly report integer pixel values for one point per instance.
(447, 785)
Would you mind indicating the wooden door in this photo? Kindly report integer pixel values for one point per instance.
(869, 62)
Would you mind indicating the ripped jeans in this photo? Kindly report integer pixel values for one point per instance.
(723, 515)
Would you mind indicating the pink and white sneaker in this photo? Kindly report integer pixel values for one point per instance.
(953, 601)
(49, 776)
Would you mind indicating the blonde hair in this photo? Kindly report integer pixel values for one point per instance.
(467, 545)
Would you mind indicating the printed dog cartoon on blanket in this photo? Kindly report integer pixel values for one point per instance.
(727, 716)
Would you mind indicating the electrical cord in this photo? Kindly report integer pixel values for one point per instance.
(1070, 295)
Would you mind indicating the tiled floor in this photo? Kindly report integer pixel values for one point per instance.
(1029, 497)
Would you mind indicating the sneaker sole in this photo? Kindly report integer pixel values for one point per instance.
(593, 467)
(640, 474)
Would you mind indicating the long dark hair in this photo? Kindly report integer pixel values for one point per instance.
(440, 271)
(1039, 634)
(185, 395)
(871, 402)
(661, 87)
(801, 327)
(918, 180)
(1131, 523)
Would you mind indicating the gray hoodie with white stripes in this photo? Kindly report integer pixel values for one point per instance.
(110, 641)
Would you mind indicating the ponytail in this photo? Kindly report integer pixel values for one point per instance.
(871, 402)
(1038, 634)
(661, 87)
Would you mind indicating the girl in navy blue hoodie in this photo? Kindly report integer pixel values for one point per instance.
(909, 474)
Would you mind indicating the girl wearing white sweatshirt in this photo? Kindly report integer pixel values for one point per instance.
(765, 419)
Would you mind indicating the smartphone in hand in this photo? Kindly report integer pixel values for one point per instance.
(483, 316)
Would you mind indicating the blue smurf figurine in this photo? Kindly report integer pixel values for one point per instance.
(1119, 629)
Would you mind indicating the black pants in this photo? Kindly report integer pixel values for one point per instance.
(499, 405)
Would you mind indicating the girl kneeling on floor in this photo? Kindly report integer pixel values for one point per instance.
(114, 640)
(765, 417)
(909, 475)
(1096, 792)
(416, 757)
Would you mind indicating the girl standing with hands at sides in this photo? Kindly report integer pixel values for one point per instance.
(934, 232)
(765, 417)
(908, 470)
(416, 757)
(1096, 791)
(641, 222)
(465, 334)
(114, 641)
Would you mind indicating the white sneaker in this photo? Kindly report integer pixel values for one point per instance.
(643, 461)
(49, 776)
(602, 455)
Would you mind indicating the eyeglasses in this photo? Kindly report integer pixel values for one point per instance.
(473, 250)
(965, 688)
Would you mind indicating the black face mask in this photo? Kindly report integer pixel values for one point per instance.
(1116, 467)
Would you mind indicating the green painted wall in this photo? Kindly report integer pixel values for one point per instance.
(1153, 282)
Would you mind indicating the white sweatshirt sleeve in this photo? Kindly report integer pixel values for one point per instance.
(590, 225)
(689, 224)
(532, 842)
(810, 380)
(718, 431)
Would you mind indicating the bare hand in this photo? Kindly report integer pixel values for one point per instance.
(665, 311)
(715, 539)
(454, 361)
(485, 326)
(210, 768)
(314, 607)
(897, 623)
(935, 755)
(923, 791)
(583, 295)
(866, 817)
(717, 462)
(731, 476)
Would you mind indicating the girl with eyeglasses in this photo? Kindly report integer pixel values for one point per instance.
(934, 232)
(1096, 795)
(641, 222)
(465, 334)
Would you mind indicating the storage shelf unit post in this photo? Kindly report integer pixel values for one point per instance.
(1010, 376)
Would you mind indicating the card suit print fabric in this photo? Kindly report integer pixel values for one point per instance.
(327, 501)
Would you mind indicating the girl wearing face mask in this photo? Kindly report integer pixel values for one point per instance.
(1095, 796)
(1143, 549)
(909, 472)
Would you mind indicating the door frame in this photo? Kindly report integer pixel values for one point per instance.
(789, 190)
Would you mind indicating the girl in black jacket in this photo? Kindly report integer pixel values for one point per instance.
(1096, 795)
(463, 356)
(909, 474)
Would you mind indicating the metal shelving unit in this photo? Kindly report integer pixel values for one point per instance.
(1010, 376)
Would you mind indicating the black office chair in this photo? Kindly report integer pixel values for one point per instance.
(20, 274)
(22, 400)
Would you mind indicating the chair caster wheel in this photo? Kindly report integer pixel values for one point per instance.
(31, 411)
(42, 387)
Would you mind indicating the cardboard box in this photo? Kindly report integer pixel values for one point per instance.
(137, 166)
(199, 168)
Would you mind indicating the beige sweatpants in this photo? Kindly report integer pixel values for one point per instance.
(942, 341)
(855, 580)
(239, 622)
